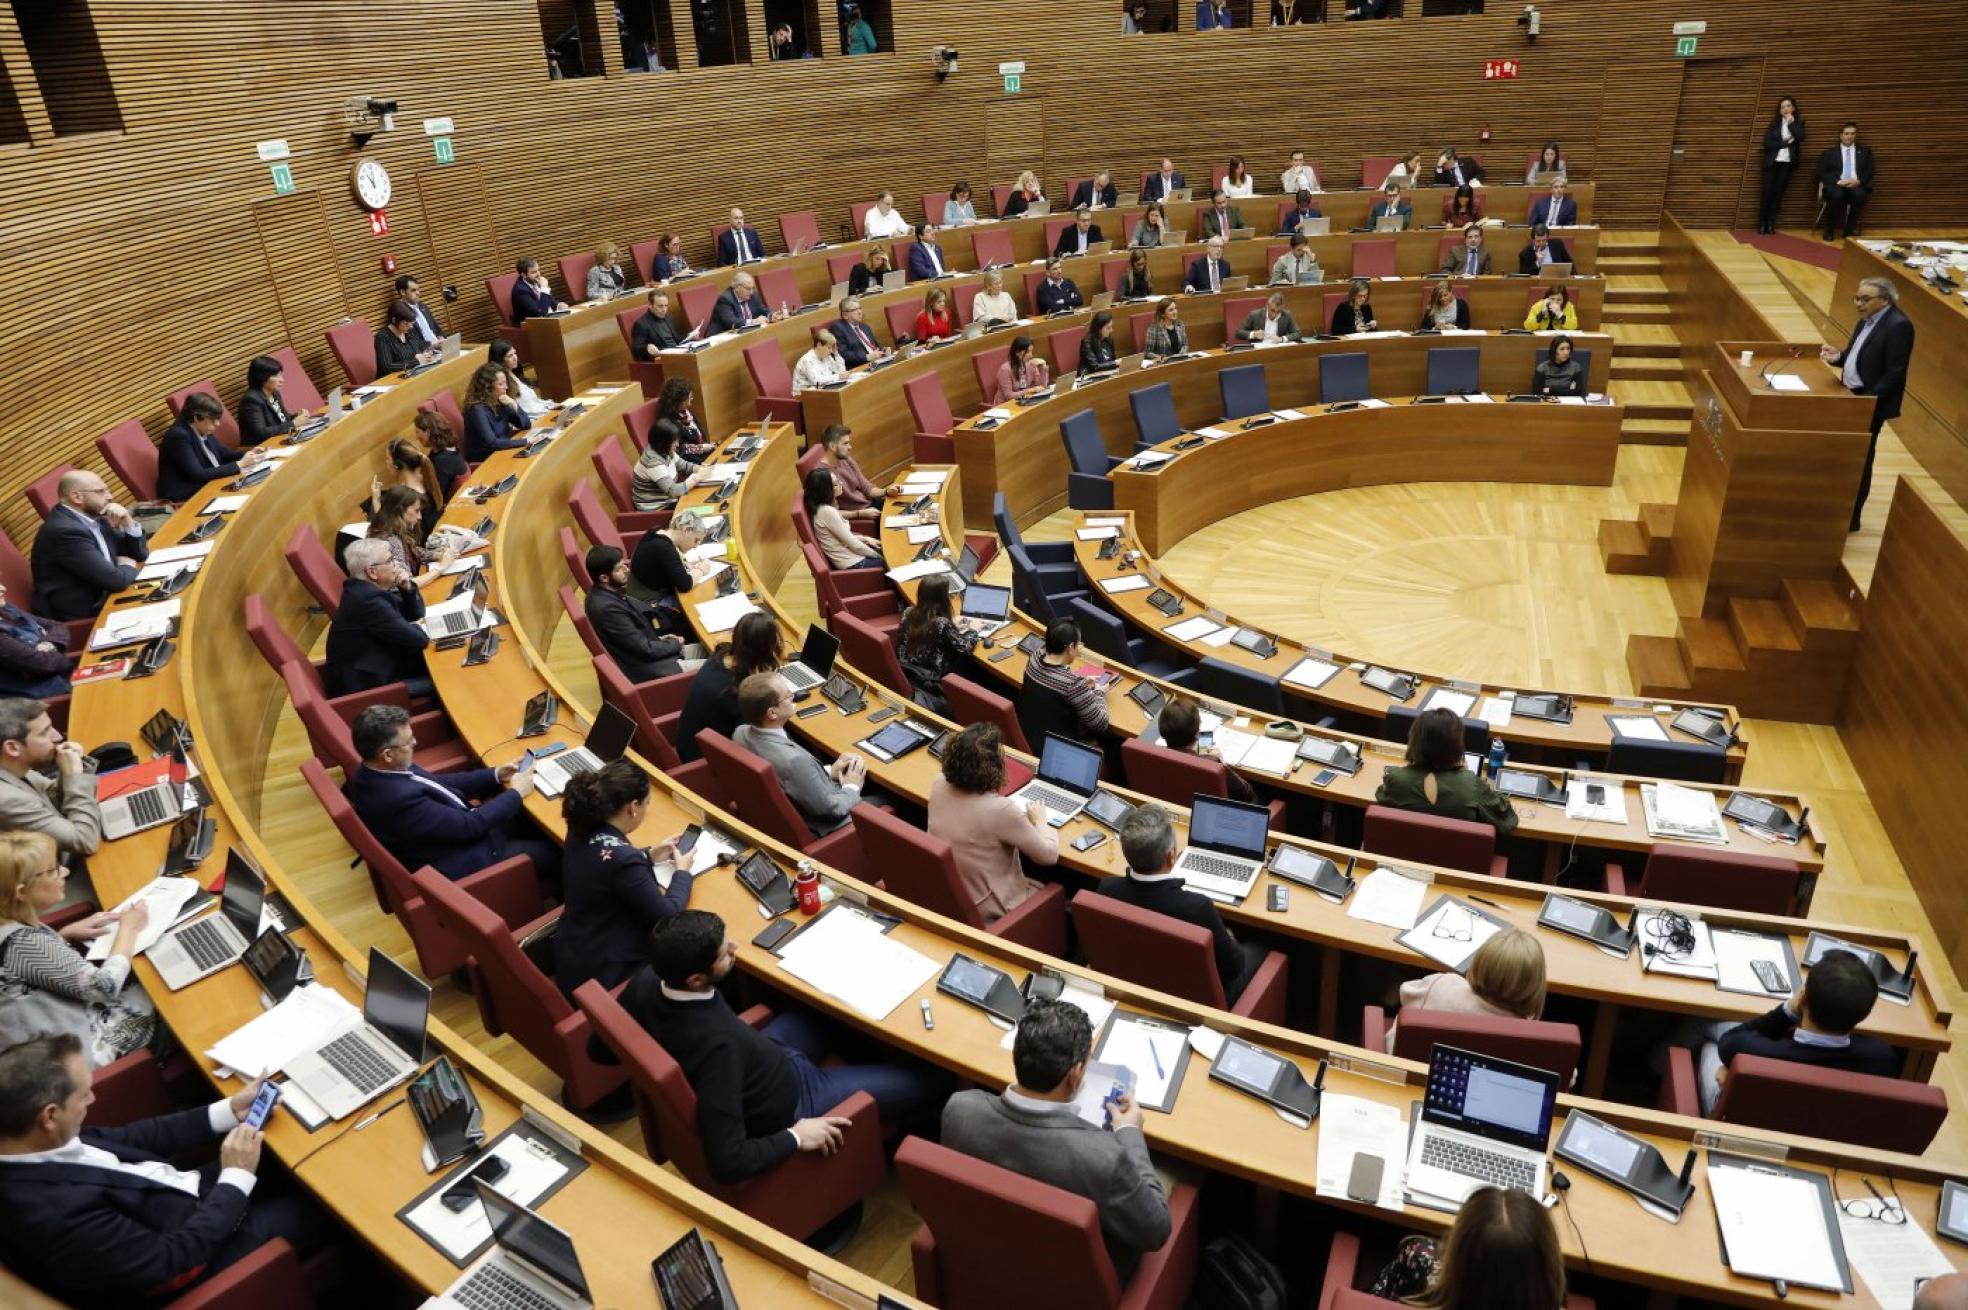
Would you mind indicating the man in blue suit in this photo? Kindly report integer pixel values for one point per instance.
(739, 243)
(853, 335)
(1056, 292)
(190, 456)
(739, 304)
(926, 256)
(100, 1216)
(423, 818)
(377, 636)
(1557, 209)
(89, 547)
(1161, 185)
(1211, 270)
(1304, 209)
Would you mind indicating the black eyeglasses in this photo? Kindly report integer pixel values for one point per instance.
(1878, 1207)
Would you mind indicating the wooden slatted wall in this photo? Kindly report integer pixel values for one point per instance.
(161, 222)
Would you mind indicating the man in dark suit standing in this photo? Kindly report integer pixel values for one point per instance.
(739, 243)
(377, 636)
(1098, 192)
(1148, 844)
(99, 1216)
(926, 259)
(654, 332)
(626, 627)
(423, 818)
(738, 304)
(1845, 176)
(1163, 184)
(1076, 239)
(89, 547)
(1874, 363)
(190, 456)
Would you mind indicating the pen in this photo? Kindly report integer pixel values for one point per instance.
(1156, 1056)
(1480, 901)
(360, 1124)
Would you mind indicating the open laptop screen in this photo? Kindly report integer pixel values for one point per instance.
(986, 602)
(1493, 1098)
(523, 1234)
(819, 651)
(609, 737)
(396, 1003)
(1227, 826)
(244, 890)
(1069, 764)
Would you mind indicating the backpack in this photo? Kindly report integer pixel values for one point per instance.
(1409, 1273)
(1235, 1275)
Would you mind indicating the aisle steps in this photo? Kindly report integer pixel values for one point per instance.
(1781, 658)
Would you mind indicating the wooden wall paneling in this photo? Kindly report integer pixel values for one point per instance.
(1014, 140)
(27, 115)
(1903, 718)
(300, 267)
(457, 213)
(1705, 173)
(1636, 104)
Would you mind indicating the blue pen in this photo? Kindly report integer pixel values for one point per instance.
(1156, 1056)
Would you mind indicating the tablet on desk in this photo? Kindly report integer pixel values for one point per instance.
(1580, 919)
(990, 990)
(1952, 1219)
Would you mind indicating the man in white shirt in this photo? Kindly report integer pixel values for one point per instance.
(1299, 175)
(819, 366)
(99, 1215)
(883, 222)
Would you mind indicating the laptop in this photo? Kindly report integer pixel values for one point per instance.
(163, 728)
(608, 738)
(1320, 226)
(1069, 774)
(816, 659)
(986, 609)
(361, 1064)
(532, 1265)
(1390, 223)
(1226, 848)
(457, 622)
(1554, 271)
(204, 946)
(895, 279)
(1484, 1123)
(161, 802)
(191, 841)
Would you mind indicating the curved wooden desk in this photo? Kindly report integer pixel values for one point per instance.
(220, 684)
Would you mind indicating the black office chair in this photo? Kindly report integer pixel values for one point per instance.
(1454, 370)
(1154, 415)
(1245, 391)
(1087, 486)
(1049, 557)
(1105, 633)
(1681, 761)
(1042, 593)
(1401, 718)
(1343, 377)
(1240, 686)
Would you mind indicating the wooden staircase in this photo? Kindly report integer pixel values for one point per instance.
(1782, 658)
(1646, 371)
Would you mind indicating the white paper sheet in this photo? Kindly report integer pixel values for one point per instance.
(1495, 711)
(137, 623)
(1786, 382)
(1096, 534)
(178, 554)
(722, 613)
(1439, 937)
(1734, 953)
(1639, 727)
(1106, 522)
(925, 532)
(1311, 673)
(709, 846)
(1773, 1226)
(1097, 1009)
(847, 956)
(1888, 1258)
(1220, 638)
(1681, 814)
(1271, 755)
(1147, 459)
(916, 569)
(1611, 809)
(1126, 582)
(310, 1017)
(225, 505)
(166, 898)
(926, 478)
(1191, 629)
(1153, 1053)
(1389, 898)
(1447, 698)
(1350, 1125)
(1697, 963)
(154, 572)
(458, 1232)
(1207, 1041)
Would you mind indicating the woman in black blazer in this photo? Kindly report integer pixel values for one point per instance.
(1783, 137)
(1135, 283)
(1097, 346)
(261, 414)
(613, 898)
(492, 416)
(1355, 314)
(868, 273)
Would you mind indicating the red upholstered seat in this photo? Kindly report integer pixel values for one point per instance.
(297, 389)
(800, 230)
(315, 567)
(132, 456)
(1431, 839)
(931, 411)
(577, 614)
(1553, 1047)
(1890, 1114)
(500, 289)
(695, 300)
(577, 561)
(773, 382)
(611, 467)
(621, 531)
(1762, 884)
(643, 371)
(19, 580)
(1372, 259)
(270, 1274)
(1064, 346)
(922, 868)
(1343, 1270)
(228, 429)
(40, 493)
(656, 707)
(438, 747)
(354, 345)
(760, 801)
(871, 651)
(865, 593)
(1171, 955)
(574, 275)
(991, 246)
(1178, 776)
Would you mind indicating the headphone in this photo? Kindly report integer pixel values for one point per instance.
(1673, 933)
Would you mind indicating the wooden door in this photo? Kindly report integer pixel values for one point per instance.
(301, 268)
(1631, 151)
(1716, 130)
(464, 245)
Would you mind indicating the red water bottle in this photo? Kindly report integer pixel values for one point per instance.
(807, 887)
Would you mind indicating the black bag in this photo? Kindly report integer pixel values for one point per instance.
(1235, 1275)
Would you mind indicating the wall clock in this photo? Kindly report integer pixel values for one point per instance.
(372, 184)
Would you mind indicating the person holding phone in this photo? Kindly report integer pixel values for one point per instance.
(616, 891)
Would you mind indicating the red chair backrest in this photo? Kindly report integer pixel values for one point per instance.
(445, 405)
(1217, 173)
(1553, 1047)
(986, 362)
(858, 214)
(800, 229)
(1373, 259)
(297, 389)
(16, 574)
(871, 652)
(898, 254)
(1272, 254)
(1235, 309)
(767, 366)
(901, 318)
(935, 203)
(328, 733)
(666, 1107)
(1447, 246)
(841, 267)
(1761, 884)
(991, 247)
(577, 614)
(1033, 276)
(1375, 168)
(977, 1212)
(638, 421)
(40, 493)
(130, 453)
(917, 866)
(1151, 949)
(275, 645)
(1139, 324)
(1053, 227)
(1065, 348)
(577, 560)
(612, 467)
(574, 276)
(617, 690)
(1111, 273)
(437, 953)
(826, 587)
(1285, 206)
(625, 321)
(315, 567)
(780, 289)
(1429, 838)
(522, 1000)
(643, 255)
(1000, 196)
(1448, 206)
(971, 703)
(753, 786)
(809, 460)
(354, 346)
(228, 429)
(1331, 301)
(694, 301)
(500, 288)
(1890, 1114)
(928, 404)
(1172, 775)
(589, 516)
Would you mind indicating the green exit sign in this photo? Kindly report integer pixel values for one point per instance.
(283, 179)
(1684, 46)
(1012, 82)
(445, 152)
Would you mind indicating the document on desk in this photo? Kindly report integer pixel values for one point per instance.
(137, 623)
(1255, 751)
(179, 554)
(929, 477)
(166, 898)
(1450, 933)
(464, 564)
(1456, 702)
(1776, 1223)
(920, 568)
(1147, 461)
(534, 1170)
(1191, 629)
(1891, 1258)
(1610, 809)
(155, 572)
(1156, 1052)
(1096, 1007)
(847, 956)
(1736, 953)
(311, 1016)
(1682, 814)
(722, 613)
(1126, 582)
(1639, 727)
(1495, 711)
(1698, 961)
(1350, 1126)
(1786, 382)
(1114, 521)
(925, 532)
(1096, 534)
(1220, 638)
(1311, 673)
(225, 505)
(1389, 896)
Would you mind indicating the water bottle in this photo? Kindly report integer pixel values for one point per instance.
(807, 887)
(1496, 758)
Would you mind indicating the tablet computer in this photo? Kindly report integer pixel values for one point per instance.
(989, 989)
(1952, 1218)
(768, 882)
(1582, 919)
(1107, 809)
(1309, 869)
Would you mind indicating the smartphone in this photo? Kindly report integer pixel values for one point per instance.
(1278, 899)
(262, 1107)
(775, 932)
(538, 753)
(1086, 841)
(1595, 794)
(810, 711)
(461, 1194)
(1363, 1184)
(451, 643)
(686, 841)
(1206, 741)
(1325, 777)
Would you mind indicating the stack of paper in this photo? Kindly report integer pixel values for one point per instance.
(1388, 896)
(1126, 582)
(1682, 813)
(914, 569)
(1610, 809)
(1192, 629)
(179, 554)
(722, 613)
(920, 481)
(137, 623)
(1096, 534)
(1891, 1258)
(1774, 1226)
(310, 1017)
(846, 955)
(925, 532)
(1451, 934)
(1254, 750)
(1447, 698)
(1351, 1126)
(166, 899)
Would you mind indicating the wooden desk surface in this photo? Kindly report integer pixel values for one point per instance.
(1209, 1125)
(365, 1177)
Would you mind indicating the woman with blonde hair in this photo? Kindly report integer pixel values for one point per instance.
(46, 986)
(1024, 195)
(1505, 978)
(605, 277)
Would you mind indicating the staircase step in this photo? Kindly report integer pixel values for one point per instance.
(1654, 431)
(1629, 369)
(1617, 261)
(1626, 297)
(1709, 645)
(1762, 626)
(1656, 666)
(1624, 548)
(1621, 313)
(1657, 522)
(1818, 609)
(1614, 241)
(1644, 340)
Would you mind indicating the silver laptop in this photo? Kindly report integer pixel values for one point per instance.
(816, 659)
(1553, 271)
(450, 347)
(1315, 227)
(531, 1266)
(353, 1069)
(1181, 193)
(1226, 848)
(1390, 223)
(456, 622)
(1484, 1123)
(608, 739)
(161, 802)
(986, 609)
(895, 279)
(204, 946)
(1038, 209)
(1069, 774)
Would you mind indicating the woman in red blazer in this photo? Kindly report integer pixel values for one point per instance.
(934, 319)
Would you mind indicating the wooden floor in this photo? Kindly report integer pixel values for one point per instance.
(1487, 581)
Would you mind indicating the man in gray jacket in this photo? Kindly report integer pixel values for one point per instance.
(1032, 1129)
(63, 806)
(823, 796)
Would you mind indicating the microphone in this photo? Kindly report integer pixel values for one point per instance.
(1770, 370)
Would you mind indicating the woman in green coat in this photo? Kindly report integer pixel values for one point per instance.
(1435, 781)
(860, 36)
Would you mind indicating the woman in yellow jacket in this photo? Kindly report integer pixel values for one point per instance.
(1554, 313)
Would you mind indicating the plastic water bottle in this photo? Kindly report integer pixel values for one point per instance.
(1496, 758)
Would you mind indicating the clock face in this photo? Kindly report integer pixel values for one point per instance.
(372, 184)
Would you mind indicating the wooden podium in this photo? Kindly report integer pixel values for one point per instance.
(1769, 478)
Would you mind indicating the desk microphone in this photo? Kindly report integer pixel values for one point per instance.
(1770, 370)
